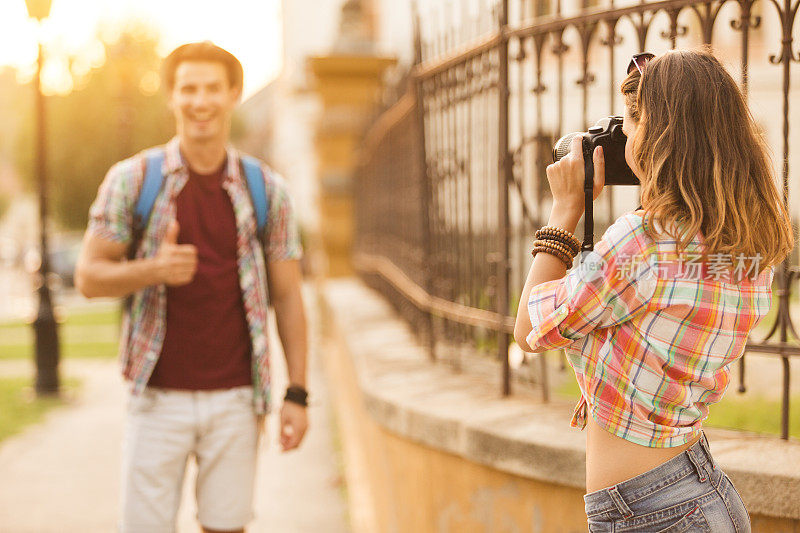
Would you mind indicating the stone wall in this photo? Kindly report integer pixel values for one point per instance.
(430, 450)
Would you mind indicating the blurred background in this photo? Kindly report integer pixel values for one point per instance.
(414, 138)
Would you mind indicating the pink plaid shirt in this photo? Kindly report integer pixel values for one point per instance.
(650, 334)
(144, 326)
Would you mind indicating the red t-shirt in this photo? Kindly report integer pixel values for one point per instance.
(207, 343)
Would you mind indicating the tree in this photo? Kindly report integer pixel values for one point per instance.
(16, 130)
(110, 114)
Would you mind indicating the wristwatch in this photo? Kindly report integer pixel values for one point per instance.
(297, 394)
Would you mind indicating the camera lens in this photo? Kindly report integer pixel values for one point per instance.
(562, 146)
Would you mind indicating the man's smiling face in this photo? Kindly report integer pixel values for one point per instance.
(203, 101)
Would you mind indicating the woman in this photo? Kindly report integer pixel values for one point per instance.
(652, 319)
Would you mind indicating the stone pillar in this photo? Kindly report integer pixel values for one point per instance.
(349, 86)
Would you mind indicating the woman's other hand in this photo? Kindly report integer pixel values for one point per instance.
(566, 178)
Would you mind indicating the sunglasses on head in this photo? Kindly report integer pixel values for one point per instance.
(638, 62)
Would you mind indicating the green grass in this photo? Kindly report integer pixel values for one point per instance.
(766, 322)
(758, 333)
(21, 407)
(744, 412)
(757, 414)
(75, 350)
(87, 334)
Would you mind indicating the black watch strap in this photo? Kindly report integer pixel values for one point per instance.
(297, 394)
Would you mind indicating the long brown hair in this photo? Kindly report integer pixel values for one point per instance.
(705, 164)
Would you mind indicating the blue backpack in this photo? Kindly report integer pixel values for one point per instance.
(154, 181)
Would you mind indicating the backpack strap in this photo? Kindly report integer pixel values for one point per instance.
(151, 186)
(257, 187)
(258, 193)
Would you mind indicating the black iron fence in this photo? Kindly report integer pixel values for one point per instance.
(452, 183)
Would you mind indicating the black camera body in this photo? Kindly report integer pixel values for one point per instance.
(608, 134)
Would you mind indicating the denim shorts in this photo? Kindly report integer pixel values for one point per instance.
(687, 493)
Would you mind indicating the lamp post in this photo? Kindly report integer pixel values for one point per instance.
(44, 326)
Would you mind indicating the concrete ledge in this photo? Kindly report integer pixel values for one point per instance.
(464, 414)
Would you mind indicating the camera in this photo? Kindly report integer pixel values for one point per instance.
(608, 134)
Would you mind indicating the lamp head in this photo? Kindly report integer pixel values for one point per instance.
(38, 9)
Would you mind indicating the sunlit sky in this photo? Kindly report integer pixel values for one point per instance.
(250, 29)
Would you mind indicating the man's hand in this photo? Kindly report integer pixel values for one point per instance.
(176, 263)
(294, 423)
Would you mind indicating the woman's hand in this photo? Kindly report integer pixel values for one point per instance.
(566, 178)
(566, 183)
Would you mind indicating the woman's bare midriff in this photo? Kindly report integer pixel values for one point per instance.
(611, 459)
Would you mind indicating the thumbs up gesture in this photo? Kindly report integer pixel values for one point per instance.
(176, 263)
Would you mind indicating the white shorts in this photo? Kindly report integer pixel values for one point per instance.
(163, 428)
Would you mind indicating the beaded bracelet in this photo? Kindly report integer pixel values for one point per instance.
(557, 245)
(563, 241)
(555, 254)
(552, 251)
(555, 230)
(561, 235)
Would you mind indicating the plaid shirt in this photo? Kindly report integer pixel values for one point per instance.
(144, 326)
(650, 337)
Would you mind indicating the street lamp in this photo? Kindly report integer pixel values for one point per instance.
(44, 326)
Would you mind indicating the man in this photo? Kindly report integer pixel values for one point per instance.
(194, 347)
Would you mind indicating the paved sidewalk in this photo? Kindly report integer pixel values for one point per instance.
(63, 474)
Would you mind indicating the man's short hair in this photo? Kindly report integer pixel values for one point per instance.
(204, 51)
